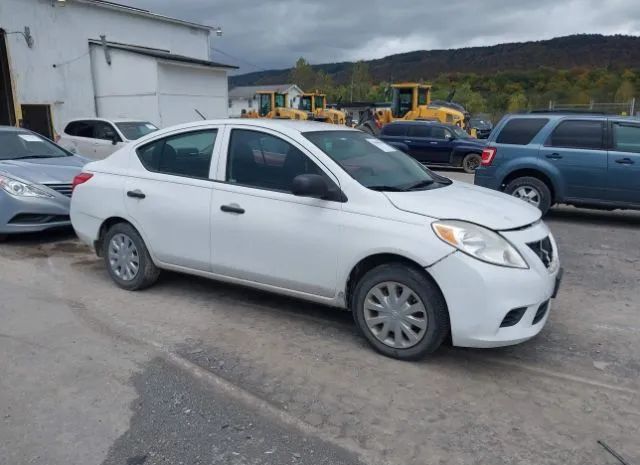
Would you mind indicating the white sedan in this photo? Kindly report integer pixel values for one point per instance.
(327, 214)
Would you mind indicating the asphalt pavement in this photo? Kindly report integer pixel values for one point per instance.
(195, 371)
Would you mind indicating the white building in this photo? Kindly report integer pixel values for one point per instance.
(246, 98)
(65, 59)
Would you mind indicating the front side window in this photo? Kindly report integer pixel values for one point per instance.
(265, 104)
(105, 131)
(186, 155)
(305, 103)
(626, 137)
(134, 130)
(16, 145)
(579, 134)
(319, 102)
(438, 132)
(260, 160)
(403, 102)
(521, 131)
(281, 100)
(373, 163)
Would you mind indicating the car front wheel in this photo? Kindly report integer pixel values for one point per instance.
(400, 312)
(127, 258)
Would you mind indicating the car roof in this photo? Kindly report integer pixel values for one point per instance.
(554, 115)
(108, 120)
(282, 125)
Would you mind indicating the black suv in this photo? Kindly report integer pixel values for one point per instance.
(433, 143)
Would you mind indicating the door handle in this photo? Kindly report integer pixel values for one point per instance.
(434, 143)
(625, 161)
(408, 141)
(232, 209)
(137, 194)
(554, 156)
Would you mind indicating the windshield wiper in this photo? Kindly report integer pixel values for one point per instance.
(386, 188)
(420, 184)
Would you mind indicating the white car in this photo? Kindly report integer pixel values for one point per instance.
(97, 138)
(327, 214)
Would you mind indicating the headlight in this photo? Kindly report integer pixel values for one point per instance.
(479, 242)
(20, 189)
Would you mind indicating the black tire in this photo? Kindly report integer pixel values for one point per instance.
(471, 162)
(147, 273)
(534, 183)
(438, 326)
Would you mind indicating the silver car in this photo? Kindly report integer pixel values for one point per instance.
(36, 179)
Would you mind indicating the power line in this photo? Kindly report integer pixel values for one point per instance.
(259, 68)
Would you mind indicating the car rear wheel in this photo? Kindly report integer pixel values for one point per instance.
(471, 163)
(127, 258)
(400, 312)
(531, 190)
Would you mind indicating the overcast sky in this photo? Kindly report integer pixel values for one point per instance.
(267, 34)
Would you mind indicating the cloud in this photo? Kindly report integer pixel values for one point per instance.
(274, 33)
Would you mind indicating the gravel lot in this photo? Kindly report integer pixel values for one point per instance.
(196, 371)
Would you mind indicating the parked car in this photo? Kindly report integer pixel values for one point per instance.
(582, 160)
(97, 138)
(35, 182)
(328, 214)
(434, 143)
(482, 124)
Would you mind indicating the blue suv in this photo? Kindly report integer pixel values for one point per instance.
(433, 143)
(582, 160)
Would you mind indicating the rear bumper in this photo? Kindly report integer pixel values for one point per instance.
(483, 178)
(32, 214)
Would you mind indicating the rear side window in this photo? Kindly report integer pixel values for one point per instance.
(419, 130)
(394, 130)
(80, 129)
(520, 131)
(626, 137)
(579, 134)
(186, 155)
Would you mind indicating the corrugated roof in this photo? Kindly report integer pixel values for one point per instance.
(250, 91)
(162, 54)
(142, 12)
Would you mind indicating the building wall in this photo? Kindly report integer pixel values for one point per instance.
(184, 88)
(57, 70)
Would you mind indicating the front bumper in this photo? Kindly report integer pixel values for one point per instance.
(33, 214)
(480, 295)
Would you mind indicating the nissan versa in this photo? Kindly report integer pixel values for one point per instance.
(326, 214)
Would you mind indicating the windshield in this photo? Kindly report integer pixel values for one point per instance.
(281, 100)
(135, 130)
(305, 103)
(16, 144)
(373, 163)
(319, 102)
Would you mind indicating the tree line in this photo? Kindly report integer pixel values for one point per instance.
(494, 94)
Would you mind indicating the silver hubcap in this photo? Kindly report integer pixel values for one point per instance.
(123, 257)
(528, 194)
(395, 315)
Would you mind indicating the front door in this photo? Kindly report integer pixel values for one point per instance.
(260, 231)
(624, 162)
(168, 197)
(436, 146)
(576, 148)
(106, 140)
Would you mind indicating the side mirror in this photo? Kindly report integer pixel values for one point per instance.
(310, 185)
(114, 138)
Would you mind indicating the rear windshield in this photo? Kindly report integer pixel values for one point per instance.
(521, 131)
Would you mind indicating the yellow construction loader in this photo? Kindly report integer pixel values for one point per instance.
(316, 104)
(274, 105)
(411, 101)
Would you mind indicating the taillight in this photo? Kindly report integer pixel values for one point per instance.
(488, 155)
(80, 179)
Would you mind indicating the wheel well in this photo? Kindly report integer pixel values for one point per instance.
(369, 263)
(108, 223)
(533, 173)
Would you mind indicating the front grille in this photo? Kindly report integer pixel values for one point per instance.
(513, 317)
(542, 311)
(32, 218)
(544, 250)
(64, 189)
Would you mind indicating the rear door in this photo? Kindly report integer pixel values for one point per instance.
(395, 134)
(576, 147)
(624, 162)
(77, 137)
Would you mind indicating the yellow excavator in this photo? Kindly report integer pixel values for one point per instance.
(316, 104)
(410, 102)
(274, 105)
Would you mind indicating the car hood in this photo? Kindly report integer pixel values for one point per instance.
(466, 202)
(58, 170)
